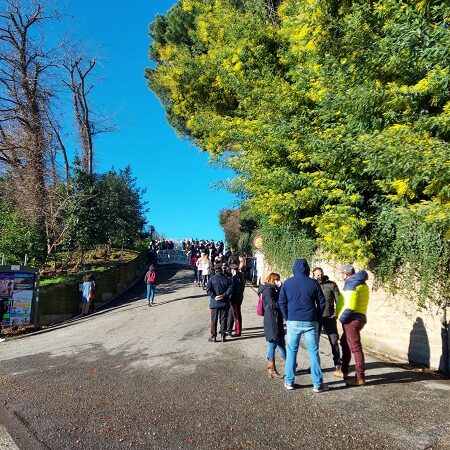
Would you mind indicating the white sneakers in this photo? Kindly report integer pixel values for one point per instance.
(289, 387)
(323, 388)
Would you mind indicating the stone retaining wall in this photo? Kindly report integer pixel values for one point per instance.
(62, 301)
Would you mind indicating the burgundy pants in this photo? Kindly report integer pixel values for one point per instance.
(351, 343)
(237, 319)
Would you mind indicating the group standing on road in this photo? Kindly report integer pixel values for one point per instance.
(302, 306)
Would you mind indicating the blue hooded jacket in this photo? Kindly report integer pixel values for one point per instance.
(301, 297)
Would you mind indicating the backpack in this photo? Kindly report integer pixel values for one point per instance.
(260, 307)
(150, 278)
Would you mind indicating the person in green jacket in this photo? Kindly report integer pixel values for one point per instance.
(351, 311)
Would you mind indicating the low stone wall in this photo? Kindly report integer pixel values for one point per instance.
(62, 301)
(395, 327)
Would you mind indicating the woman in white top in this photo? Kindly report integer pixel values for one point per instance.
(206, 269)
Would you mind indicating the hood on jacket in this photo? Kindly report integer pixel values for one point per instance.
(356, 280)
(361, 276)
(301, 267)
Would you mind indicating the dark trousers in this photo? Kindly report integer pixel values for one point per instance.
(351, 343)
(329, 325)
(216, 315)
(235, 318)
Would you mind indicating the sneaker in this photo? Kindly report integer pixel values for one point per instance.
(289, 387)
(149, 304)
(323, 388)
(355, 382)
(2, 339)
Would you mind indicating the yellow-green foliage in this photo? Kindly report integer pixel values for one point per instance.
(330, 113)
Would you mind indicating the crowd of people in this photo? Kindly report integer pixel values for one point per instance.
(303, 305)
(307, 305)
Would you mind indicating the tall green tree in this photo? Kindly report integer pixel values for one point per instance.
(335, 117)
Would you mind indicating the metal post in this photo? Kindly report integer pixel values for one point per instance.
(36, 300)
(445, 339)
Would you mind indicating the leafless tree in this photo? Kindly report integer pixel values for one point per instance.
(24, 100)
(79, 70)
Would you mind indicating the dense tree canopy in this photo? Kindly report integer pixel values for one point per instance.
(335, 116)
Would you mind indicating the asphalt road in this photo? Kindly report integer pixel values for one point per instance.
(131, 376)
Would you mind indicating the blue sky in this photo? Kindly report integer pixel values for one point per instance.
(176, 174)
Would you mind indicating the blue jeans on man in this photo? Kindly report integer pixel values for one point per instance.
(295, 330)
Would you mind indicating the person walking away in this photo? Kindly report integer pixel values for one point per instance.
(88, 292)
(219, 289)
(237, 296)
(273, 322)
(329, 323)
(302, 302)
(194, 259)
(351, 311)
(150, 281)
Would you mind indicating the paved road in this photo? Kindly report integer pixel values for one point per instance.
(146, 378)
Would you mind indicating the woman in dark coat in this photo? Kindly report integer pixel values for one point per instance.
(273, 323)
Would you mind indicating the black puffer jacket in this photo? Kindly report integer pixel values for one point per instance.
(273, 319)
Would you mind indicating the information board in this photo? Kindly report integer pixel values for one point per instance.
(17, 290)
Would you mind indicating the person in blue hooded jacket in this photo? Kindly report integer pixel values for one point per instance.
(302, 302)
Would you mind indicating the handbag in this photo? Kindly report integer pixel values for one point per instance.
(260, 306)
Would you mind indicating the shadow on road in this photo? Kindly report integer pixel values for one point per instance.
(401, 374)
(249, 333)
(176, 300)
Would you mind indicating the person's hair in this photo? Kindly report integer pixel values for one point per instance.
(317, 268)
(272, 277)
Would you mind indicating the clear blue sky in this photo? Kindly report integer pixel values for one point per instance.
(176, 174)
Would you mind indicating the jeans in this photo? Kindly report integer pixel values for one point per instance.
(195, 269)
(150, 292)
(351, 343)
(273, 344)
(295, 330)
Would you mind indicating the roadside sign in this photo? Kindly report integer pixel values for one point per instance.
(19, 290)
